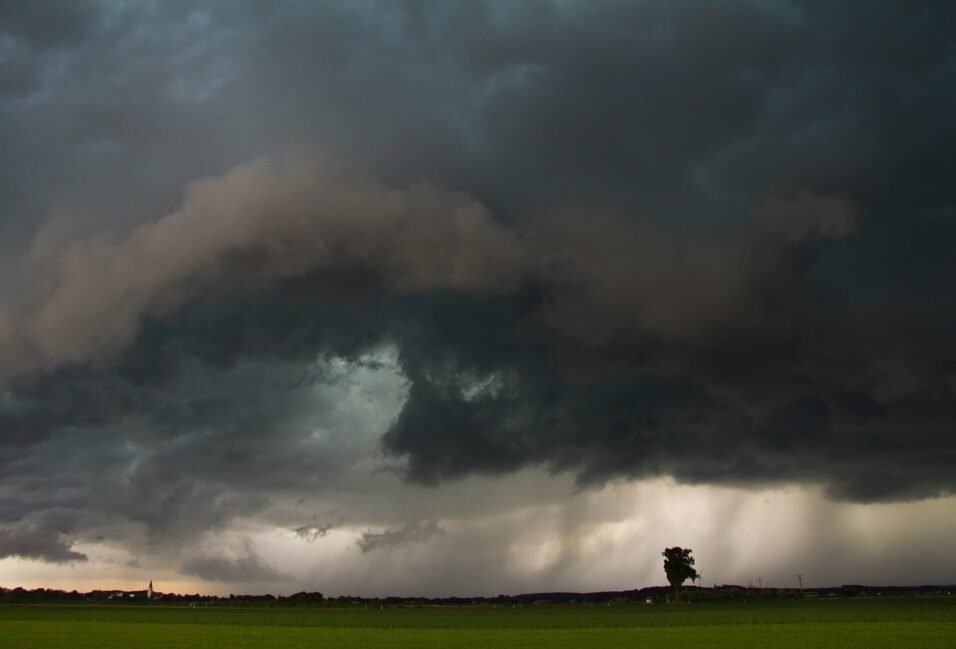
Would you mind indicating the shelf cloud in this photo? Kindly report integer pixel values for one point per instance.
(301, 271)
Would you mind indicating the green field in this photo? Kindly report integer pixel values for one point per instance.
(865, 622)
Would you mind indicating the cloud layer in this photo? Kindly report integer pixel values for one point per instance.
(260, 264)
(248, 230)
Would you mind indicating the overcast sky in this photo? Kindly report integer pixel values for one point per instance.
(476, 298)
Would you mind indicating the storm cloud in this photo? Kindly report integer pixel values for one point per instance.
(244, 565)
(260, 261)
(44, 539)
(247, 230)
(408, 534)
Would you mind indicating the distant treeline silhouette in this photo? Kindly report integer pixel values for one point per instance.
(654, 594)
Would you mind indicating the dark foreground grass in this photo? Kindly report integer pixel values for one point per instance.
(110, 635)
(873, 622)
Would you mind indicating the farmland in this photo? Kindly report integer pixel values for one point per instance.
(839, 622)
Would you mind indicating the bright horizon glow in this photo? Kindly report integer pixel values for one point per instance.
(605, 539)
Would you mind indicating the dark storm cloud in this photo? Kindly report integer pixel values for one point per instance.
(314, 532)
(248, 567)
(408, 534)
(703, 425)
(258, 225)
(42, 537)
(613, 239)
(178, 442)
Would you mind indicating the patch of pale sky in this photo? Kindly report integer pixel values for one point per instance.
(606, 539)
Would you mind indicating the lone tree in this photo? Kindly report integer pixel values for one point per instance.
(679, 566)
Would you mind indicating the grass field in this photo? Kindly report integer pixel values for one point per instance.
(845, 623)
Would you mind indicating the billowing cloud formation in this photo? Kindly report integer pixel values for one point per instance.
(251, 228)
(808, 215)
(312, 533)
(247, 567)
(608, 240)
(585, 343)
(408, 534)
(44, 539)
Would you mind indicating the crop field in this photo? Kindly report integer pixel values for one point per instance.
(845, 623)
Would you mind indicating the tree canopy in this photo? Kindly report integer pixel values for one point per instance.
(679, 565)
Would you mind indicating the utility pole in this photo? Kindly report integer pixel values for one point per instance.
(800, 577)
